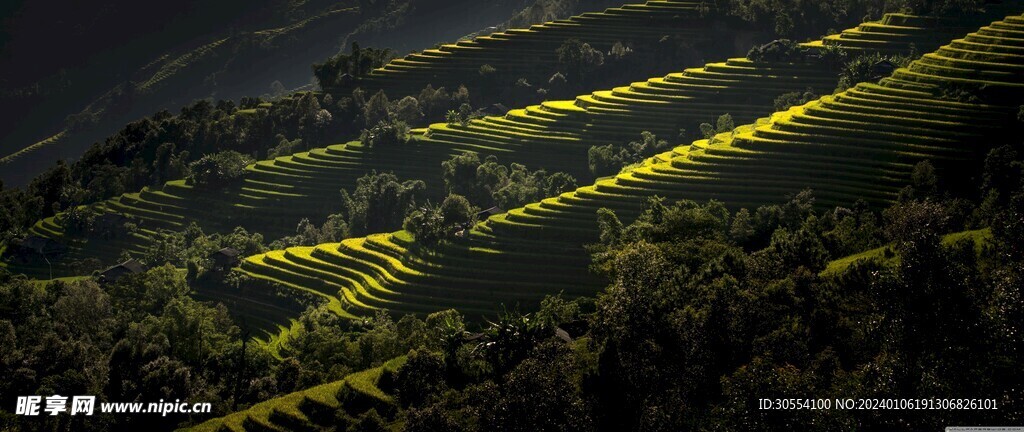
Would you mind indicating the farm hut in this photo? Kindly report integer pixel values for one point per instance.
(496, 110)
(482, 215)
(113, 274)
(882, 69)
(224, 259)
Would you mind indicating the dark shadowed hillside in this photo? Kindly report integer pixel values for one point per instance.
(92, 76)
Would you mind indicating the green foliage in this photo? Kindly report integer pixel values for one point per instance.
(724, 123)
(869, 68)
(778, 51)
(379, 202)
(334, 229)
(426, 224)
(141, 338)
(369, 421)
(408, 110)
(609, 159)
(510, 338)
(965, 93)
(435, 103)
(691, 320)
(487, 70)
(192, 245)
(577, 59)
(284, 147)
(430, 224)
(218, 170)
(356, 64)
(385, 134)
(376, 110)
(421, 377)
(488, 183)
(455, 209)
(539, 393)
(787, 100)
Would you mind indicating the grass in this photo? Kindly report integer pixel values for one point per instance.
(886, 255)
(857, 144)
(844, 152)
(297, 406)
(49, 141)
(277, 193)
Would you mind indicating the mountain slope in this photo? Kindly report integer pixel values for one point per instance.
(860, 143)
(278, 193)
(313, 407)
(225, 65)
(555, 135)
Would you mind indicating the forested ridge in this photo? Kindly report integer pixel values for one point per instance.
(590, 216)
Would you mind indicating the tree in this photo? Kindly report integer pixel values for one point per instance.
(539, 394)
(610, 159)
(218, 170)
(455, 209)
(420, 378)
(559, 183)
(385, 134)
(787, 100)
(408, 110)
(724, 123)
(379, 202)
(460, 177)
(862, 69)
(578, 59)
(377, 109)
(781, 50)
(434, 103)
(426, 224)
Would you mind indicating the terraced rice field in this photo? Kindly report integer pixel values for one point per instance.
(528, 52)
(314, 408)
(554, 135)
(858, 144)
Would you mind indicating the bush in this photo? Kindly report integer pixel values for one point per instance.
(385, 133)
(866, 68)
(456, 210)
(781, 50)
(578, 59)
(379, 202)
(426, 224)
(408, 110)
(786, 101)
(609, 159)
(218, 170)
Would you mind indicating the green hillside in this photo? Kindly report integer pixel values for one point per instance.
(313, 407)
(886, 254)
(858, 144)
(225, 65)
(554, 135)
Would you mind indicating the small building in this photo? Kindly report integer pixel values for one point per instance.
(224, 259)
(496, 110)
(113, 274)
(41, 246)
(482, 215)
(882, 69)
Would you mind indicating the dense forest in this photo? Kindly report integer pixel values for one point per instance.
(706, 311)
(583, 216)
